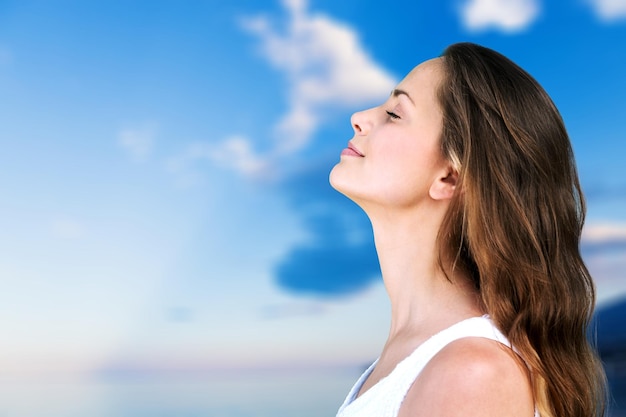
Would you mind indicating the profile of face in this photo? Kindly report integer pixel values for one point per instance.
(395, 158)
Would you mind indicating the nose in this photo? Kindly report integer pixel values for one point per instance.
(360, 123)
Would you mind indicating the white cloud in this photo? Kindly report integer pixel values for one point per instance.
(604, 232)
(290, 310)
(607, 271)
(138, 141)
(235, 152)
(66, 228)
(182, 165)
(607, 265)
(609, 9)
(506, 15)
(325, 67)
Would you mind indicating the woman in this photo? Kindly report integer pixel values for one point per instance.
(468, 178)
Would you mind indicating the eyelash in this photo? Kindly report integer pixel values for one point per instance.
(392, 115)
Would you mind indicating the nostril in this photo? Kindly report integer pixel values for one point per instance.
(355, 123)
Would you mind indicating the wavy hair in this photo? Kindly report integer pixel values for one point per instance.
(514, 226)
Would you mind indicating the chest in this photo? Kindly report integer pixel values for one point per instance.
(391, 356)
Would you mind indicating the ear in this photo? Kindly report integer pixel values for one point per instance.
(444, 186)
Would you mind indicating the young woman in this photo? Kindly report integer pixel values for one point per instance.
(467, 175)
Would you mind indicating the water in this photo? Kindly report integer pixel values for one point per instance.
(305, 394)
(301, 394)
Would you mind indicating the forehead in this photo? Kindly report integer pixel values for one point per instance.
(425, 77)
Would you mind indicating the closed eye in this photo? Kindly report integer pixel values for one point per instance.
(392, 115)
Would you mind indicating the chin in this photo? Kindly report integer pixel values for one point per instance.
(343, 183)
(335, 179)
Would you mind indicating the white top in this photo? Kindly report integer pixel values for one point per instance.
(385, 397)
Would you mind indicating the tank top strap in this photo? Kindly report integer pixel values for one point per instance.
(385, 397)
(407, 370)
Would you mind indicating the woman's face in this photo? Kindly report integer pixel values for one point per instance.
(395, 157)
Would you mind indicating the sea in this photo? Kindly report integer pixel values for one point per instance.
(267, 394)
(258, 394)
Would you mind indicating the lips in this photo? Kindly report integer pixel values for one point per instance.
(351, 150)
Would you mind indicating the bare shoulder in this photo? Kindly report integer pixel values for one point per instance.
(471, 377)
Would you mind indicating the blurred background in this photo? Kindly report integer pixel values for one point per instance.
(169, 243)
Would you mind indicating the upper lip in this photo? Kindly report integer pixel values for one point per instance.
(351, 146)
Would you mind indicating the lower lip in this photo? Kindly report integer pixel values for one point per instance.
(350, 152)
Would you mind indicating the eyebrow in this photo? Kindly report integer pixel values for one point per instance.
(397, 92)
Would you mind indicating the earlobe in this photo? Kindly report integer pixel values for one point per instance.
(444, 187)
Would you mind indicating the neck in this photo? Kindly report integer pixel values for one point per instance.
(423, 299)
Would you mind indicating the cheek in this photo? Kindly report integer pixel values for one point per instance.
(400, 178)
(401, 161)
(405, 173)
(391, 174)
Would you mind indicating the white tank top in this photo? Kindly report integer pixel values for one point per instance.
(385, 397)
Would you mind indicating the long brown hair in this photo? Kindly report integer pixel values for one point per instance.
(514, 225)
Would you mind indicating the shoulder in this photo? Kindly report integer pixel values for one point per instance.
(471, 377)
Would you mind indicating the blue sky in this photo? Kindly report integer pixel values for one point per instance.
(165, 202)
